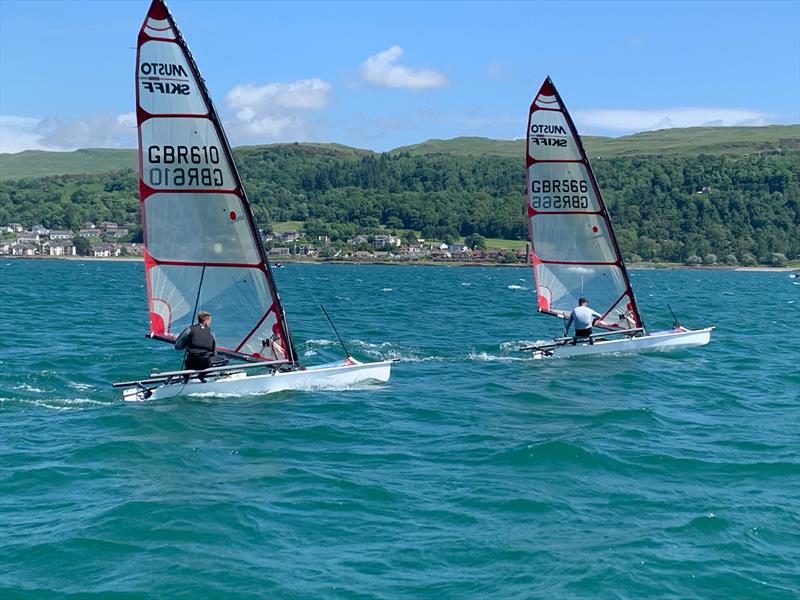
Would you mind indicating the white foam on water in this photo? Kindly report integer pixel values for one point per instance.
(80, 386)
(389, 351)
(59, 404)
(517, 287)
(387, 290)
(515, 346)
(486, 357)
(28, 388)
(321, 342)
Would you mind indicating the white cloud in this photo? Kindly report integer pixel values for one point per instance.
(274, 112)
(618, 119)
(306, 94)
(97, 131)
(18, 134)
(381, 70)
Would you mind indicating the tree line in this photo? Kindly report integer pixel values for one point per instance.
(663, 208)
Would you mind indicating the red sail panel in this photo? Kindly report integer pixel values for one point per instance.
(202, 249)
(575, 253)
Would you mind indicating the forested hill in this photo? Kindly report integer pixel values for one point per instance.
(686, 142)
(665, 205)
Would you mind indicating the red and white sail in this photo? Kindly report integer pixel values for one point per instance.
(574, 251)
(202, 248)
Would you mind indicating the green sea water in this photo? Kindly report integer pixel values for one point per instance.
(474, 473)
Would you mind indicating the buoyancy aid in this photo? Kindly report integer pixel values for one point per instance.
(201, 340)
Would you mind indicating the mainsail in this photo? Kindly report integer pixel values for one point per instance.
(202, 248)
(574, 251)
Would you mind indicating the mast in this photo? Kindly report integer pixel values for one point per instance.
(189, 186)
(574, 250)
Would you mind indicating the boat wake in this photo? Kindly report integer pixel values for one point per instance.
(59, 404)
(486, 357)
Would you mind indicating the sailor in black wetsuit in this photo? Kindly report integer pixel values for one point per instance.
(200, 345)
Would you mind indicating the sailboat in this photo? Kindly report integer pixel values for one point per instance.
(202, 248)
(573, 248)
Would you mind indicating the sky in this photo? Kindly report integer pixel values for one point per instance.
(380, 75)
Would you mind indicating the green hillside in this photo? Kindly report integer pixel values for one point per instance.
(692, 141)
(729, 207)
(715, 141)
(40, 163)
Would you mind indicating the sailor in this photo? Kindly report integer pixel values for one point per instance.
(583, 317)
(200, 345)
(275, 343)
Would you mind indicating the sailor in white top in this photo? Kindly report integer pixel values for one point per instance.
(583, 317)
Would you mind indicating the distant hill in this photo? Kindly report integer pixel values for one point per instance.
(691, 141)
(40, 163)
(714, 141)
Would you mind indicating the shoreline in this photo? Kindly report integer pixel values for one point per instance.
(429, 263)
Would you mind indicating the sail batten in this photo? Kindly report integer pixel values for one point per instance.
(202, 248)
(574, 250)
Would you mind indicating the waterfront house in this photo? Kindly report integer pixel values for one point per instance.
(107, 225)
(290, 236)
(116, 233)
(59, 249)
(24, 250)
(306, 250)
(461, 253)
(104, 251)
(382, 241)
(90, 232)
(16, 227)
(130, 249)
(357, 241)
(279, 251)
(60, 234)
(28, 237)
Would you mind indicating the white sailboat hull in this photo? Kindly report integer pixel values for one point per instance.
(654, 342)
(330, 376)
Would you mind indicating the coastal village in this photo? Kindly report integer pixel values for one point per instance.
(107, 239)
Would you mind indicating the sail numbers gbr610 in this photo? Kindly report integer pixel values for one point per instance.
(165, 166)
